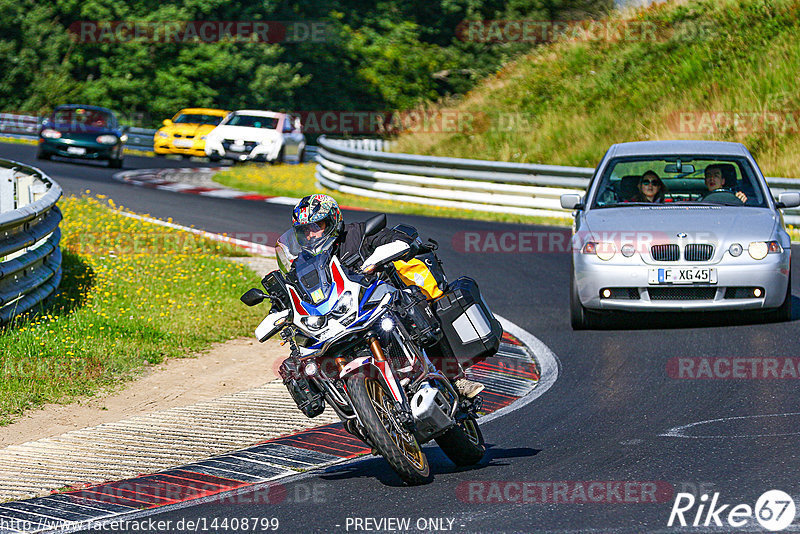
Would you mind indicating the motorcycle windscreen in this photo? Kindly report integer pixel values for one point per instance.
(313, 275)
(286, 250)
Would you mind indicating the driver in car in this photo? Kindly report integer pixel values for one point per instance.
(715, 180)
(318, 224)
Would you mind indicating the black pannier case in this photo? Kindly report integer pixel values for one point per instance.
(469, 326)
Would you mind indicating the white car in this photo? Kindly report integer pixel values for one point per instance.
(253, 135)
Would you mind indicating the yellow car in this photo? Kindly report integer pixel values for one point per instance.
(186, 133)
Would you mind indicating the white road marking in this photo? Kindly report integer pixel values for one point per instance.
(679, 431)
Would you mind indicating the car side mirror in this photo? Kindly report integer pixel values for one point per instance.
(253, 297)
(788, 200)
(375, 224)
(167, 122)
(571, 201)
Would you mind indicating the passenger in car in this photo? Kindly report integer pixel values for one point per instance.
(651, 189)
(716, 180)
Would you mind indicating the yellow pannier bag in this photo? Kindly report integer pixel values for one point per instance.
(415, 273)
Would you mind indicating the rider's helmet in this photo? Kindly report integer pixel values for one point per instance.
(317, 222)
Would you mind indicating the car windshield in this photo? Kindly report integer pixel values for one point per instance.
(196, 118)
(679, 179)
(253, 121)
(83, 117)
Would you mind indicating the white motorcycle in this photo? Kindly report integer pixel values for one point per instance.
(352, 348)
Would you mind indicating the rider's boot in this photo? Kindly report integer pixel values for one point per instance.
(468, 388)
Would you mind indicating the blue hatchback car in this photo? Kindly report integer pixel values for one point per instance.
(85, 132)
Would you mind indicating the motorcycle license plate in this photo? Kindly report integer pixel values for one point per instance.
(77, 150)
(683, 275)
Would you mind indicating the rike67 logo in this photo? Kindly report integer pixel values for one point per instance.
(774, 511)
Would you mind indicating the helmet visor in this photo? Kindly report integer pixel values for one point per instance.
(317, 236)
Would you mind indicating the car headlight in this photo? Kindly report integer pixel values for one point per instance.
(123, 137)
(162, 134)
(107, 139)
(759, 249)
(604, 251)
(203, 137)
(735, 250)
(49, 133)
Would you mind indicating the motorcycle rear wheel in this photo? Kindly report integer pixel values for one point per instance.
(397, 445)
(463, 443)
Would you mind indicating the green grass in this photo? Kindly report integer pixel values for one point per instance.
(569, 101)
(298, 181)
(133, 293)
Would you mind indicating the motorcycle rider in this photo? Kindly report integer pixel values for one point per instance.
(318, 224)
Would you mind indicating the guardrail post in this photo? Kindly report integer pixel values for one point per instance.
(6, 190)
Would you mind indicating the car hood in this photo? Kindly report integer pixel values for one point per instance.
(245, 133)
(77, 130)
(716, 225)
(188, 129)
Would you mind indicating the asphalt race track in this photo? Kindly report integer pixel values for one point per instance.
(612, 417)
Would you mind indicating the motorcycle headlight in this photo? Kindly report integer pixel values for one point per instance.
(49, 133)
(314, 322)
(107, 139)
(344, 306)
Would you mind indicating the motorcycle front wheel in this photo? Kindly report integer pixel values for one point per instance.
(375, 407)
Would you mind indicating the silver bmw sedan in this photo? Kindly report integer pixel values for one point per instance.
(679, 226)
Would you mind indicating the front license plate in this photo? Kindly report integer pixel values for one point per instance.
(77, 150)
(183, 143)
(683, 275)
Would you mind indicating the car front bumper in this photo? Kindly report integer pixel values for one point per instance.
(167, 147)
(69, 148)
(632, 291)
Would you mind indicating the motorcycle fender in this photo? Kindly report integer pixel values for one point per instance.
(353, 365)
(380, 369)
(271, 324)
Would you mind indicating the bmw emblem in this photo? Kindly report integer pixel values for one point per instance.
(681, 235)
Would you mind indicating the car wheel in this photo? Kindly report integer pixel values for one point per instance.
(783, 313)
(278, 159)
(41, 154)
(115, 163)
(580, 317)
(214, 157)
(186, 156)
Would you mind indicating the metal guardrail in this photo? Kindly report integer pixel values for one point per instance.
(362, 167)
(30, 256)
